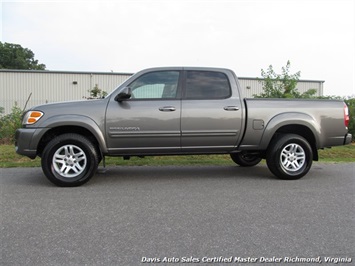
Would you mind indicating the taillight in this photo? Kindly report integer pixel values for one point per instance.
(346, 115)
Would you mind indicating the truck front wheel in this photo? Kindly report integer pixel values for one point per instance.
(69, 160)
(289, 156)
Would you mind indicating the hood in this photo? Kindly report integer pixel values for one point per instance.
(70, 107)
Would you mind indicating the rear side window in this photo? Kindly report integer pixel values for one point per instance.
(207, 85)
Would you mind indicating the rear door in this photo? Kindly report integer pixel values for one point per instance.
(148, 122)
(211, 117)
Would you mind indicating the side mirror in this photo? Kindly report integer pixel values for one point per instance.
(125, 94)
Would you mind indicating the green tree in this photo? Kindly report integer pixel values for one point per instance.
(14, 56)
(282, 85)
(351, 105)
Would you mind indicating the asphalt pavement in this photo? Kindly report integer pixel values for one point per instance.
(180, 215)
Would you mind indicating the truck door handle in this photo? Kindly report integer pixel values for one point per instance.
(167, 109)
(231, 108)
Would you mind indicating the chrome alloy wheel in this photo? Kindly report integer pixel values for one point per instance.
(69, 161)
(292, 157)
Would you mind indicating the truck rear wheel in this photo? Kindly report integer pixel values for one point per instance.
(289, 156)
(245, 159)
(69, 160)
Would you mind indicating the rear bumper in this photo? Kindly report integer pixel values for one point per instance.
(348, 138)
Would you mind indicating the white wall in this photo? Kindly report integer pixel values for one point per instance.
(56, 86)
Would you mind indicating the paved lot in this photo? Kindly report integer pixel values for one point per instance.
(134, 214)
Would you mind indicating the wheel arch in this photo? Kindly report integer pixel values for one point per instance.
(295, 123)
(302, 131)
(80, 125)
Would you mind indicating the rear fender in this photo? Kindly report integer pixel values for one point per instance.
(287, 122)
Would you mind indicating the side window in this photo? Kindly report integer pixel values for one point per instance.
(155, 85)
(207, 85)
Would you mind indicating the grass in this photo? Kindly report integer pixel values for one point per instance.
(338, 154)
(9, 158)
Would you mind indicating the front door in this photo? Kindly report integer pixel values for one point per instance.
(148, 122)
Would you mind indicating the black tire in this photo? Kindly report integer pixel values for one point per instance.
(289, 156)
(245, 159)
(69, 160)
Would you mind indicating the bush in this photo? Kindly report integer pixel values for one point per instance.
(9, 123)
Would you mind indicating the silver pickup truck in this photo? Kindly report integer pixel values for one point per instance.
(180, 110)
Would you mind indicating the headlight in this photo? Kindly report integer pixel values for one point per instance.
(31, 117)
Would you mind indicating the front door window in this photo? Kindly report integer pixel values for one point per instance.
(156, 85)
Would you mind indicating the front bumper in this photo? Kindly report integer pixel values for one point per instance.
(348, 139)
(24, 144)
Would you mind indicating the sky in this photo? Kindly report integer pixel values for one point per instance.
(316, 36)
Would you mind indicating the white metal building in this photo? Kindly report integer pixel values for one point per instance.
(54, 86)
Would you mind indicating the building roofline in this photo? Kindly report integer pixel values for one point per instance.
(62, 72)
(303, 80)
(113, 73)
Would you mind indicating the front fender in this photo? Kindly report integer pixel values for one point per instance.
(80, 121)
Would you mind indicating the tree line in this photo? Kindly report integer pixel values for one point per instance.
(14, 56)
